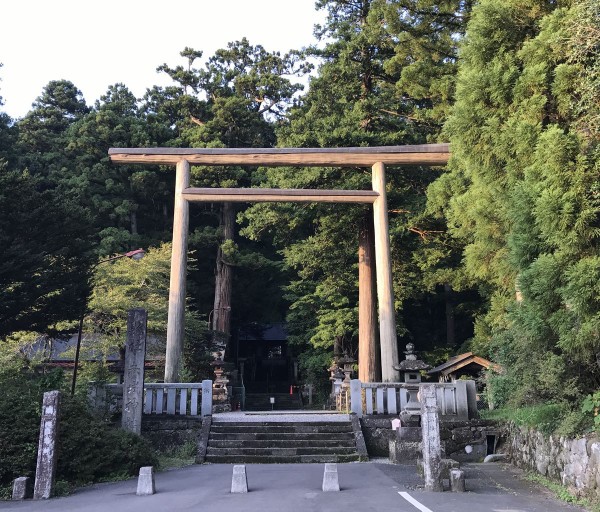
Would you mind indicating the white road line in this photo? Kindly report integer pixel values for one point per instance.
(414, 502)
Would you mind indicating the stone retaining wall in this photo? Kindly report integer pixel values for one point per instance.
(166, 431)
(573, 462)
(454, 435)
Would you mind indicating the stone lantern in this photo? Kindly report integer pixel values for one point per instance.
(220, 394)
(410, 368)
(337, 376)
(346, 362)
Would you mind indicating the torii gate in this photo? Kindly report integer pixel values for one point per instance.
(375, 157)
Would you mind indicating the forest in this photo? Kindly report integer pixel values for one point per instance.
(497, 253)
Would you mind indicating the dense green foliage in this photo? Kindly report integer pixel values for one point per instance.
(89, 449)
(522, 194)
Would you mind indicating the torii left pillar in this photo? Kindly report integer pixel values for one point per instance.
(176, 318)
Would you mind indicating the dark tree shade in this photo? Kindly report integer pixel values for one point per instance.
(43, 262)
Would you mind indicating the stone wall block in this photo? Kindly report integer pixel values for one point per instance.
(574, 462)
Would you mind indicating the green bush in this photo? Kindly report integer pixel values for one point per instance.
(89, 449)
(555, 418)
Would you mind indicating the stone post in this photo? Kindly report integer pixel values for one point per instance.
(356, 397)
(239, 480)
(330, 478)
(207, 396)
(45, 470)
(22, 488)
(432, 447)
(145, 485)
(133, 386)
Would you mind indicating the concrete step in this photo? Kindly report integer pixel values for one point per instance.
(284, 437)
(281, 442)
(281, 452)
(288, 443)
(288, 428)
(290, 459)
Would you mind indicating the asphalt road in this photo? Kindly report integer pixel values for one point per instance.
(370, 486)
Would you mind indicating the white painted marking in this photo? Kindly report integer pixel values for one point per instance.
(414, 502)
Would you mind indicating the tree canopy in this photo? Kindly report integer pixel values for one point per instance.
(497, 253)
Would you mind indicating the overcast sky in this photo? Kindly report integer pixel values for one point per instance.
(97, 44)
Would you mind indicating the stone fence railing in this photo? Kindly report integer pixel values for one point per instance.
(183, 398)
(457, 401)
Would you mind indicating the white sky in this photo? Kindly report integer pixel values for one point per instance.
(95, 44)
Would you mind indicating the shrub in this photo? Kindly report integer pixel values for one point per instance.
(88, 449)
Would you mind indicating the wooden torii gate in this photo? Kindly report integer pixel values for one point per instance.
(375, 157)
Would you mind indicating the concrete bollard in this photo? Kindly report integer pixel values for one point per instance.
(239, 480)
(145, 486)
(330, 478)
(22, 488)
(457, 480)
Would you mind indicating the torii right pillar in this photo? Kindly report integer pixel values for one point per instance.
(383, 268)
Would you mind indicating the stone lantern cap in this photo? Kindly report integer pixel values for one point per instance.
(346, 359)
(411, 363)
(339, 374)
(218, 361)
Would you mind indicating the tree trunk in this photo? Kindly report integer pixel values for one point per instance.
(134, 223)
(338, 348)
(221, 319)
(450, 328)
(369, 355)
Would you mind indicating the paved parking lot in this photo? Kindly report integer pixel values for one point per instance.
(369, 486)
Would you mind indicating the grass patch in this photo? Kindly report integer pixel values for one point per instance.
(178, 456)
(544, 417)
(558, 419)
(561, 492)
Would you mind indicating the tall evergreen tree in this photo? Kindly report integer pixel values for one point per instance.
(522, 193)
(359, 97)
(233, 101)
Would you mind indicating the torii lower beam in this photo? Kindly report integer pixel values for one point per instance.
(263, 195)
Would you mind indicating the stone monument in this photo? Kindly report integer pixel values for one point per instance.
(133, 385)
(45, 470)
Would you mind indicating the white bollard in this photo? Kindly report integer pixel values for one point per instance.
(145, 486)
(330, 478)
(239, 480)
(457, 480)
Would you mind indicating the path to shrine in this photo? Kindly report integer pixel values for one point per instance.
(369, 486)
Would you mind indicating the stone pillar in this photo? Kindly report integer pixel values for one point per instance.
(133, 386)
(45, 470)
(383, 269)
(431, 441)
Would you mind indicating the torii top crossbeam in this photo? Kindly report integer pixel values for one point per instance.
(422, 154)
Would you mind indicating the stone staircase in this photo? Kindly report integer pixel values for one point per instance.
(282, 442)
(262, 402)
